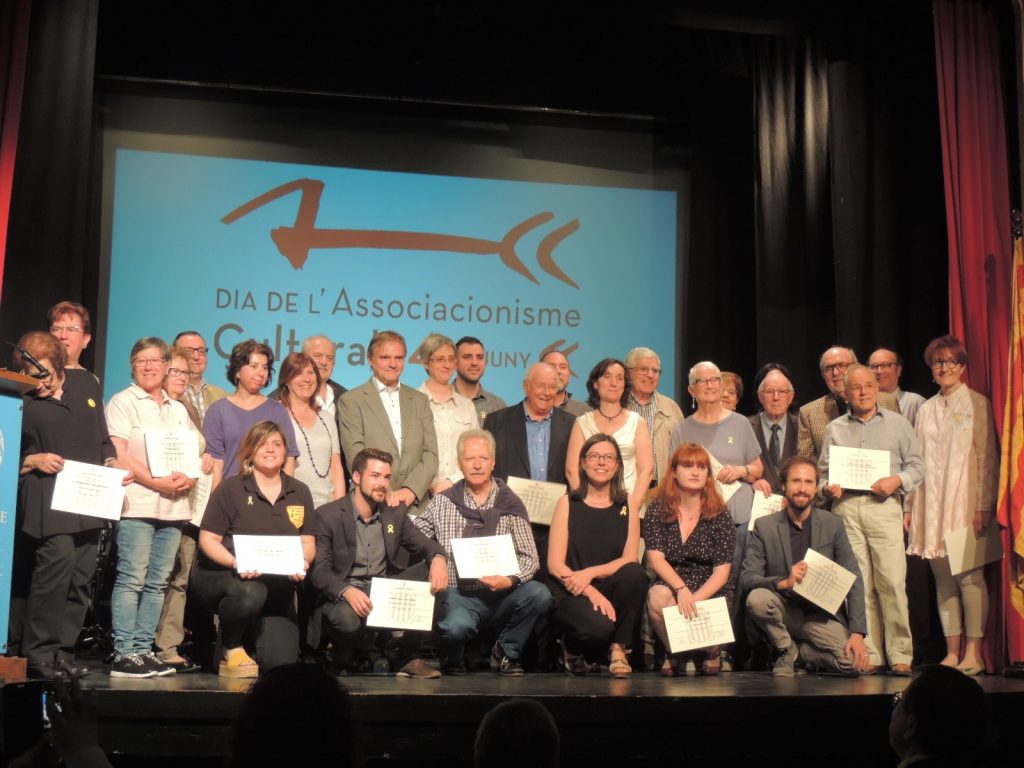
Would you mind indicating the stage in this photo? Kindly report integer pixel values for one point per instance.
(737, 718)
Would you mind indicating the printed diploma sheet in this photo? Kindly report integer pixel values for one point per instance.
(89, 489)
(856, 468)
(268, 554)
(711, 626)
(826, 582)
(485, 556)
(173, 450)
(967, 551)
(538, 496)
(763, 506)
(400, 604)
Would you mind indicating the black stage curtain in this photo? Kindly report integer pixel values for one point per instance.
(53, 242)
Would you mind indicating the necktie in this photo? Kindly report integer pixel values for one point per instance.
(774, 449)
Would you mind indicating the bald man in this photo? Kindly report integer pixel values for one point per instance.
(564, 398)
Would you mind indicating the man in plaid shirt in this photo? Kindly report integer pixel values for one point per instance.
(482, 505)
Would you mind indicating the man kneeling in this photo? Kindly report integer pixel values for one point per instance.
(774, 564)
(357, 539)
(481, 505)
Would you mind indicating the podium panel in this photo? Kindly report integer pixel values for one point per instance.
(10, 454)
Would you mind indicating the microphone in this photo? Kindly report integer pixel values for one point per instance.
(41, 371)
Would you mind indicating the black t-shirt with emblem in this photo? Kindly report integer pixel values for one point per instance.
(237, 506)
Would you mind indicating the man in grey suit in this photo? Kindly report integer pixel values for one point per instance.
(389, 416)
(775, 427)
(775, 564)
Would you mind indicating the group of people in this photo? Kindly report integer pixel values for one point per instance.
(378, 481)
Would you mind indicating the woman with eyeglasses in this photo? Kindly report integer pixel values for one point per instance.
(957, 435)
(608, 389)
(55, 551)
(156, 507)
(319, 461)
(690, 540)
(170, 631)
(453, 413)
(250, 368)
(593, 553)
(730, 440)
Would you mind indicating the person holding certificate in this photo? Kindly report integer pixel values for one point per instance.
(609, 390)
(593, 552)
(958, 441)
(481, 507)
(250, 367)
(358, 539)
(690, 542)
(55, 552)
(882, 463)
(263, 501)
(156, 506)
(319, 462)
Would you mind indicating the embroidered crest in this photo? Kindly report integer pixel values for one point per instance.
(391, 529)
(296, 513)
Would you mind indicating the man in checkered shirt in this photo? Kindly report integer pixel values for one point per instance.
(482, 505)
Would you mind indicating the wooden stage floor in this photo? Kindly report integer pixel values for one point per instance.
(739, 718)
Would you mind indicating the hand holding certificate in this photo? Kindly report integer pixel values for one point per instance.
(173, 450)
(485, 556)
(727, 490)
(88, 489)
(856, 469)
(711, 626)
(826, 583)
(967, 551)
(400, 604)
(269, 554)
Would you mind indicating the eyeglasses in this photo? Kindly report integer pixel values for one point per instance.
(199, 351)
(601, 458)
(707, 382)
(72, 329)
(648, 371)
(449, 360)
(828, 370)
(776, 392)
(940, 364)
(177, 373)
(881, 366)
(142, 362)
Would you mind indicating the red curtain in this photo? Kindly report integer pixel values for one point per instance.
(14, 17)
(975, 165)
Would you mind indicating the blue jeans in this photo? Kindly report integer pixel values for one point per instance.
(145, 555)
(513, 612)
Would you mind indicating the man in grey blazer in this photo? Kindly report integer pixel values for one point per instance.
(775, 564)
(775, 427)
(389, 416)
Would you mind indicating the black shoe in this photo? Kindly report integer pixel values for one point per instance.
(457, 669)
(506, 666)
(131, 665)
(50, 670)
(160, 668)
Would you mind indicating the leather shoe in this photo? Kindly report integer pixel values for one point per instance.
(50, 670)
(900, 670)
(418, 668)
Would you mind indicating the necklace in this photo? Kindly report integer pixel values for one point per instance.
(611, 418)
(309, 450)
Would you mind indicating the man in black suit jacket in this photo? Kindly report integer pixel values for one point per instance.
(775, 391)
(357, 539)
(509, 427)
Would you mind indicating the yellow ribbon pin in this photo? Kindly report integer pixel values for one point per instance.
(731, 439)
(624, 512)
(91, 402)
(250, 501)
(391, 529)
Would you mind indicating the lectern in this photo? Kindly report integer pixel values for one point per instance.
(12, 387)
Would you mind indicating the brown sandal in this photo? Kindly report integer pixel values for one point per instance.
(618, 663)
(711, 665)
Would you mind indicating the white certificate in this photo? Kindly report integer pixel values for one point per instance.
(711, 626)
(727, 490)
(764, 505)
(400, 604)
(485, 556)
(826, 583)
(89, 489)
(268, 554)
(967, 552)
(172, 450)
(538, 496)
(856, 469)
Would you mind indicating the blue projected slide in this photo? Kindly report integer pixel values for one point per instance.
(279, 251)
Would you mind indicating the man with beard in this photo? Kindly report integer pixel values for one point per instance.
(358, 538)
(470, 364)
(775, 564)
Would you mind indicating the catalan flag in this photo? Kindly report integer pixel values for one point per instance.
(1011, 471)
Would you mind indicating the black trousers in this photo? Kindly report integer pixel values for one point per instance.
(58, 594)
(262, 609)
(589, 632)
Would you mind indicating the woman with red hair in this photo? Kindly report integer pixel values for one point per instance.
(690, 546)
